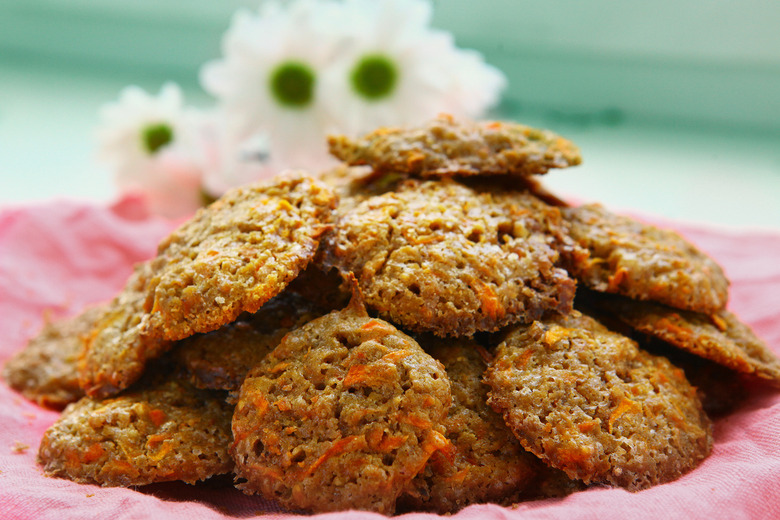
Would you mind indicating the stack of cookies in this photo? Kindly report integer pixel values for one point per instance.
(422, 328)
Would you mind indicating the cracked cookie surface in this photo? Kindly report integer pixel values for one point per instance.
(446, 146)
(438, 256)
(46, 370)
(166, 431)
(589, 402)
(341, 415)
(486, 462)
(643, 262)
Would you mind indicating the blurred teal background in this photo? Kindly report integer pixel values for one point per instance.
(675, 104)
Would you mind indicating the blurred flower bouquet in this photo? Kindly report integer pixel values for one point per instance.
(290, 74)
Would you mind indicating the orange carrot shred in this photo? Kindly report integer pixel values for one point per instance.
(351, 443)
(489, 300)
(157, 416)
(93, 453)
(623, 406)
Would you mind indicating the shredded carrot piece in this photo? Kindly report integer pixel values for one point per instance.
(614, 281)
(392, 442)
(416, 421)
(163, 451)
(261, 404)
(377, 373)
(489, 300)
(435, 441)
(155, 440)
(556, 333)
(119, 466)
(574, 455)
(623, 406)
(719, 322)
(283, 405)
(458, 477)
(269, 472)
(157, 416)
(374, 324)
(396, 355)
(587, 426)
(351, 443)
(523, 359)
(668, 325)
(280, 367)
(94, 453)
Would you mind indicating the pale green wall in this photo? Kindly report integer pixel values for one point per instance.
(694, 62)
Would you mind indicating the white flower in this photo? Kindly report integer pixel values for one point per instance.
(269, 79)
(155, 147)
(397, 70)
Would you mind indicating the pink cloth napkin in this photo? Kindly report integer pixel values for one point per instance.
(58, 257)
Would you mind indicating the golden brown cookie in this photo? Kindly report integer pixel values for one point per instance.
(237, 253)
(721, 390)
(46, 371)
(341, 415)
(231, 257)
(446, 146)
(164, 431)
(719, 337)
(486, 462)
(220, 359)
(642, 261)
(588, 401)
(115, 353)
(437, 256)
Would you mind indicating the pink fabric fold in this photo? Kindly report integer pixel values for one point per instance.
(58, 257)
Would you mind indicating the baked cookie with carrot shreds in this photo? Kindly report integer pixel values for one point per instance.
(237, 253)
(231, 257)
(166, 430)
(114, 354)
(341, 415)
(46, 370)
(446, 146)
(486, 462)
(590, 402)
(220, 359)
(642, 261)
(720, 337)
(437, 256)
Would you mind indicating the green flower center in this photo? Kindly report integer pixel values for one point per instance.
(292, 84)
(156, 136)
(374, 77)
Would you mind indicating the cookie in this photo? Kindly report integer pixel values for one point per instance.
(341, 415)
(46, 371)
(231, 257)
(115, 352)
(165, 431)
(642, 261)
(447, 146)
(220, 359)
(486, 462)
(720, 389)
(237, 253)
(719, 337)
(589, 402)
(436, 256)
